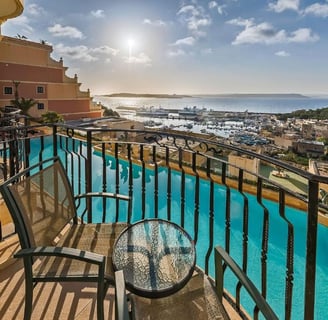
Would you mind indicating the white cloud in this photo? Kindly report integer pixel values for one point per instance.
(84, 53)
(35, 10)
(282, 5)
(303, 35)
(195, 18)
(189, 9)
(75, 53)
(23, 23)
(188, 41)
(212, 4)
(282, 53)
(175, 53)
(156, 23)
(207, 51)
(317, 9)
(241, 22)
(105, 50)
(98, 13)
(141, 58)
(58, 30)
(221, 9)
(265, 33)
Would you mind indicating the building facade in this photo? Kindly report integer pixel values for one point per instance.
(28, 71)
(309, 148)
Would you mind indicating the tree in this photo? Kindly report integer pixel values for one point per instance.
(24, 105)
(16, 84)
(110, 112)
(52, 117)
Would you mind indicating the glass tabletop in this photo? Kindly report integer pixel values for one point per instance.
(156, 256)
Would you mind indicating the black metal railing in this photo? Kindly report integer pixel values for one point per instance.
(217, 191)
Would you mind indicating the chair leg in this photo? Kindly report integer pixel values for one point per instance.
(28, 290)
(100, 301)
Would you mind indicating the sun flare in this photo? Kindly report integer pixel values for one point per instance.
(131, 44)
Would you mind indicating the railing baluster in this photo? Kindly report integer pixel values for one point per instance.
(210, 215)
(265, 240)
(155, 183)
(41, 148)
(143, 183)
(169, 181)
(27, 149)
(117, 177)
(311, 252)
(182, 188)
(104, 179)
(196, 195)
(88, 174)
(289, 257)
(130, 183)
(227, 211)
(245, 220)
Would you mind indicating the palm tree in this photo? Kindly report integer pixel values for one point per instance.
(52, 117)
(16, 84)
(24, 104)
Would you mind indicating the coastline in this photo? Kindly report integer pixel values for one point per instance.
(225, 103)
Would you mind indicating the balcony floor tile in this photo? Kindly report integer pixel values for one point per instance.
(51, 300)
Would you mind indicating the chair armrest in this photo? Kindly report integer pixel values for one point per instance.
(121, 304)
(104, 195)
(64, 252)
(222, 256)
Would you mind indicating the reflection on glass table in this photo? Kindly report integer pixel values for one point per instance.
(156, 256)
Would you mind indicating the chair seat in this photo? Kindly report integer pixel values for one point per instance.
(97, 238)
(197, 300)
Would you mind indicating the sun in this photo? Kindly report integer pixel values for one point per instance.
(131, 44)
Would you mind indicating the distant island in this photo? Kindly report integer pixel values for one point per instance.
(146, 95)
(256, 95)
(223, 95)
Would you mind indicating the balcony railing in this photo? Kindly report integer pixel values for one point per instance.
(219, 193)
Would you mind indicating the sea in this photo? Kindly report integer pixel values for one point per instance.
(236, 103)
(264, 104)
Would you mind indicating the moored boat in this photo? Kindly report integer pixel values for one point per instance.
(192, 113)
(152, 112)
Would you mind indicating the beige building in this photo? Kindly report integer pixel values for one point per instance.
(249, 164)
(28, 71)
(309, 148)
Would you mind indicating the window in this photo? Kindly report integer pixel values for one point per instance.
(40, 106)
(8, 90)
(39, 89)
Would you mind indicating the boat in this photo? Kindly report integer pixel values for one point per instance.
(152, 112)
(280, 174)
(188, 125)
(192, 113)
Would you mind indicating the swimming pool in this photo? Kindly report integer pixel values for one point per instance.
(276, 260)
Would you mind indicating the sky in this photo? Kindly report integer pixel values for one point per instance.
(184, 46)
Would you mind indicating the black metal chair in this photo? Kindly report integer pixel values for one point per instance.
(55, 244)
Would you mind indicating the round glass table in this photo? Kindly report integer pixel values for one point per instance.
(157, 257)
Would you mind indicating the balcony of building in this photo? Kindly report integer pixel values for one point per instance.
(273, 227)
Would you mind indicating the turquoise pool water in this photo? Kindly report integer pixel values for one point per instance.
(276, 260)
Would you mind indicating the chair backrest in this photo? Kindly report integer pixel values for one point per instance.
(40, 202)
